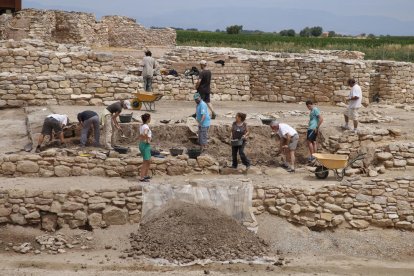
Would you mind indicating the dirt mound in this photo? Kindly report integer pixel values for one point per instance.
(185, 232)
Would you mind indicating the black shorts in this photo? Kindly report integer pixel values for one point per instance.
(51, 124)
(205, 97)
(312, 135)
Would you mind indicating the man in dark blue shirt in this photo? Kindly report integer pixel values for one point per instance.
(88, 119)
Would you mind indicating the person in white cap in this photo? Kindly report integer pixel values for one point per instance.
(109, 121)
(203, 86)
(289, 139)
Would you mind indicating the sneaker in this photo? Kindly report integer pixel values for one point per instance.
(355, 131)
(148, 177)
(144, 180)
(311, 158)
(345, 127)
(285, 166)
(290, 170)
(37, 149)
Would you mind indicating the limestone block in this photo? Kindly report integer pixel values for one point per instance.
(27, 166)
(115, 216)
(359, 224)
(4, 212)
(95, 220)
(62, 171)
(384, 156)
(8, 168)
(205, 161)
(18, 219)
(72, 206)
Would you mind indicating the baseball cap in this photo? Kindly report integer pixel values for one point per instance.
(197, 96)
(203, 62)
(127, 104)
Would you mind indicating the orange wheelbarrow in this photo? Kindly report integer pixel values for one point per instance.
(146, 99)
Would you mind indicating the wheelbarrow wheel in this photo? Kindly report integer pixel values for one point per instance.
(136, 104)
(321, 172)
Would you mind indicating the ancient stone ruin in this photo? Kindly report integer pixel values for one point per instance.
(82, 29)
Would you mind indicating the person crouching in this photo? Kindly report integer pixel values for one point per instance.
(145, 136)
(240, 133)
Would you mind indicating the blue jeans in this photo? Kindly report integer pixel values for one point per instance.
(94, 121)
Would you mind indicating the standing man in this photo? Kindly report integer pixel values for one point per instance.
(355, 103)
(289, 139)
(203, 86)
(203, 119)
(109, 121)
(148, 70)
(54, 123)
(88, 119)
(315, 121)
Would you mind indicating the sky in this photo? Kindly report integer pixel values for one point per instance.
(393, 17)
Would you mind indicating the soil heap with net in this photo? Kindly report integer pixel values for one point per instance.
(185, 232)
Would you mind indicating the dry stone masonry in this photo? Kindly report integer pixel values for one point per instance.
(35, 72)
(387, 203)
(83, 29)
(380, 202)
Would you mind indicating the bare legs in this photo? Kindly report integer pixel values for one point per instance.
(145, 168)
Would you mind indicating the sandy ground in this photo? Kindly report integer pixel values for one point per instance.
(340, 252)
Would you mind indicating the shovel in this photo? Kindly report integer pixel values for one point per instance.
(122, 134)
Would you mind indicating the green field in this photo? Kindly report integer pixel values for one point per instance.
(385, 48)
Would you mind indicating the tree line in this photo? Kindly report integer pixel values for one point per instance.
(315, 31)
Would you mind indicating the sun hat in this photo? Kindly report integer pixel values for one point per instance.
(127, 104)
(197, 96)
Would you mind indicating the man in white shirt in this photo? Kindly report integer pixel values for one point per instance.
(53, 124)
(289, 139)
(355, 103)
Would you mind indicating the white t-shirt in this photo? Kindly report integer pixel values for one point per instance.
(63, 119)
(356, 91)
(286, 129)
(143, 128)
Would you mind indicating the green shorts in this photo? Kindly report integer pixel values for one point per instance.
(145, 150)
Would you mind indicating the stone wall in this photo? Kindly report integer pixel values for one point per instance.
(33, 71)
(82, 28)
(317, 75)
(387, 203)
(64, 163)
(125, 32)
(397, 155)
(76, 208)
(380, 202)
(394, 81)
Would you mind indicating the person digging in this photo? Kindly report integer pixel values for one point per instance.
(289, 139)
(53, 124)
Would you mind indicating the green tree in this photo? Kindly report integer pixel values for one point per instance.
(332, 34)
(289, 32)
(234, 29)
(305, 32)
(316, 31)
(371, 36)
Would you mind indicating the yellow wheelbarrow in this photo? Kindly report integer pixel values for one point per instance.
(335, 162)
(147, 99)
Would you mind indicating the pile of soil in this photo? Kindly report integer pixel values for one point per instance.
(185, 232)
